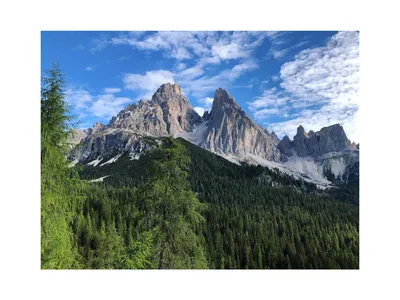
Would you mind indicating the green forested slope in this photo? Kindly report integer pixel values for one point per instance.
(248, 223)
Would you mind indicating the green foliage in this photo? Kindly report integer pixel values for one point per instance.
(172, 211)
(73, 235)
(61, 189)
(248, 223)
(153, 225)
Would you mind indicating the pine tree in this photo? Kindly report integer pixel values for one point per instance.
(172, 210)
(60, 186)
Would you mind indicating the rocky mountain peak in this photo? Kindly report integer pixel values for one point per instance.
(167, 91)
(222, 99)
(274, 137)
(167, 113)
(97, 127)
(300, 131)
(206, 115)
(285, 140)
(328, 139)
(168, 88)
(231, 131)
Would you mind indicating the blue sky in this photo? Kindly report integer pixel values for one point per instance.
(282, 79)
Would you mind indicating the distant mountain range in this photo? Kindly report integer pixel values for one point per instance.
(324, 157)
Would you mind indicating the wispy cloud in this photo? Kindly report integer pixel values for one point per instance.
(108, 105)
(319, 87)
(103, 106)
(90, 68)
(146, 84)
(99, 43)
(194, 53)
(199, 110)
(281, 44)
(206, 105)
(112, 90)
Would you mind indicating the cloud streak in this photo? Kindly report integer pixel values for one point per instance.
(318, 88)
(103, 106)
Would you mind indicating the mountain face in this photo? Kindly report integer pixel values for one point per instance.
(226, 130)
(167, 112)
(328, 139)
(323, 155)
(231, 131)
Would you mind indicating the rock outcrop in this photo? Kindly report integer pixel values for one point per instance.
(231, 131)
(327, 153)
(328, 139)
(166, 113)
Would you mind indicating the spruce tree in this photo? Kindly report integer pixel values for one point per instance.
(172, 210)
(60, 186)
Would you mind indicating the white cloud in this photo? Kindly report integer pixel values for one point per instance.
(78, 98)
(279, 44)
(228, 51)
(206, 48)
(108, 105)
(90, 68)
(181, 66)
(103, 106)
(270, 98)
(279, 53)
(192, 72)
(149, 82)
(199, 110)
(201, 86)
(263, 113)
(321, 85)
(99, 44)
(314, 120)
(183, 45)
(206, 103)
(112, 90)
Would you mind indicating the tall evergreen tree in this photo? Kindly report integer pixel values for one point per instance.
(60, 185)
(172, 210)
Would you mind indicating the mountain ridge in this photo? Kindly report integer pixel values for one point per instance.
(226, 130)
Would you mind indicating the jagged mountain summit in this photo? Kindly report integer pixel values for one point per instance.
(325, 155)
(229, 130)
(328, 139)
(166, 113)
(226, 130)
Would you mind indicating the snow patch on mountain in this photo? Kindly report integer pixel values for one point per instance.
(112, 160)
(308, 167)
(299, 168)
(338, 166)
(73, 163)
(95, 162)
(99, 179)
(195, 136)
(134, 156)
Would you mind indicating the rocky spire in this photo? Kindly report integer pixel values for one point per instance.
(167, 91)
(231, 131)
(223, 100)
(300, 130)
(274, 137)
(206, 116)
(167, 113)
